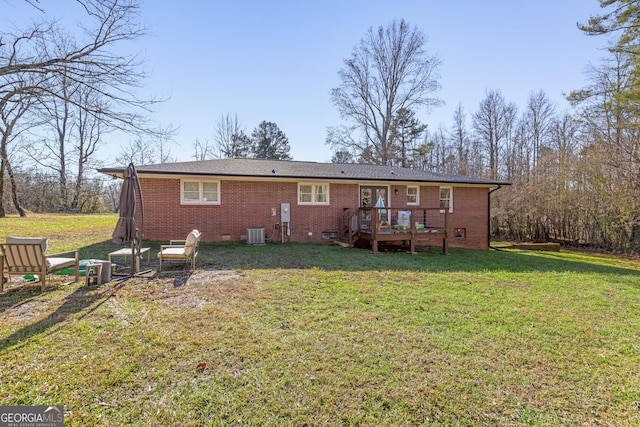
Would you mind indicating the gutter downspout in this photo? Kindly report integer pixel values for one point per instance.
(489, 215)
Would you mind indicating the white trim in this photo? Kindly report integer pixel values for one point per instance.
(201, 200)
(450, 196)
(314, 193)
(417, 202)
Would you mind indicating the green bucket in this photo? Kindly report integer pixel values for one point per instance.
(83, 266)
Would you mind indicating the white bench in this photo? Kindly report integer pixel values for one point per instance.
(125, 252)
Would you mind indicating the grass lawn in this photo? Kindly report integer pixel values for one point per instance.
(300, 334)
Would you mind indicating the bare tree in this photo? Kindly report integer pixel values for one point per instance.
(162, 138)
(387, 71)
(203, 150)
(460, 140)
(341, 139)
(145, 150)
(51, 151)
(111, 190)
(493, 123)
(44, 50)
(69, 147)
(59, 69)
(89, 131)
(12, 127)
(518, 156)
(138, 152)
(228, 140)
(440, 152)
(540, 115)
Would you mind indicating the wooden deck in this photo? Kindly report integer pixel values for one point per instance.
(411, 227)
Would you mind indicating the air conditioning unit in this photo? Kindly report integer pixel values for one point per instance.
(255, 236)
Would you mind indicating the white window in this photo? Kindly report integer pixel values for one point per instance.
(446, 198)
(413, 195)
(313, 194)
(200, 192)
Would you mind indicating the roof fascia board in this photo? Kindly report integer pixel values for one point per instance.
(358, 181)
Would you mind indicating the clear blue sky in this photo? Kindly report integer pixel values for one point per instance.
(278, 60)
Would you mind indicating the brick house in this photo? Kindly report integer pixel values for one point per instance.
(245, 199)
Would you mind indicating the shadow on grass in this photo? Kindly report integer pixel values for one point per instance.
(25, 292)
(333, 257)
(75, 302)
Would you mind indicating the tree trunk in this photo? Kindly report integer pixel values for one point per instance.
(14, 191)
(3, 214)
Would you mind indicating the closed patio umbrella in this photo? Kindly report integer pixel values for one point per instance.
(382, 213)
(126, 228)
(380, 204)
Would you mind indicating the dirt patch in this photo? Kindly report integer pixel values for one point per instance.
(190, 289)
(180, 289)
(203, 288)
(207, 277)
(26, 311)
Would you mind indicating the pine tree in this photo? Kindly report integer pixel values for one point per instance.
(269, 142)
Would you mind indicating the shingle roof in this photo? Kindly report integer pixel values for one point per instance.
(257, 168)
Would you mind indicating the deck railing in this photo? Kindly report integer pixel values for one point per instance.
(414, 224)
(418, 220)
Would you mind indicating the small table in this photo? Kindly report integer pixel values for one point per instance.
(125, 252)
(93, 272)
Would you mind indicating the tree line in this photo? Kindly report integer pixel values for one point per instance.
(575, 176)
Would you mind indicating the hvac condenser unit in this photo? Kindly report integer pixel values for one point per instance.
(255, 236)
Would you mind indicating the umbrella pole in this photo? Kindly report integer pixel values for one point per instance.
(133, 258)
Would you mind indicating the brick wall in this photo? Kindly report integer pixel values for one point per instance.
(249, 204)
(470, 211)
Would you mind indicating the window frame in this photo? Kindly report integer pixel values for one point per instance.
(450, 197)
(417, 195)
(314, 193)
(201, 183)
